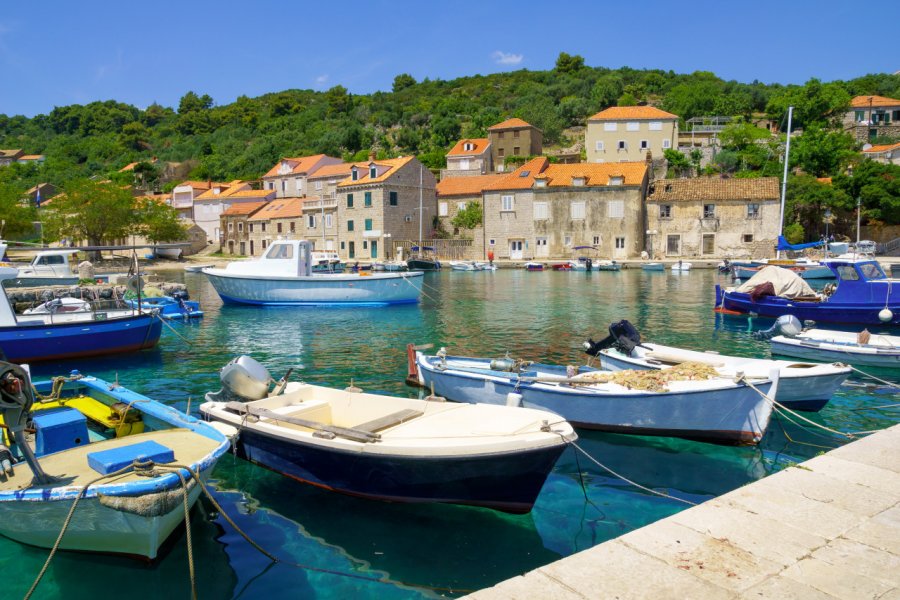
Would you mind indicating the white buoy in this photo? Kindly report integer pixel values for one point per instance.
(885, 315)
(513, 399)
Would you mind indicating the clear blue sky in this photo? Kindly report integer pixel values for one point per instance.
(60, 52)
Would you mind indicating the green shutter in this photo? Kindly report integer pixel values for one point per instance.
(349, 200)
(368, 224)
(349, 225)
(368, 201)
(393, 196)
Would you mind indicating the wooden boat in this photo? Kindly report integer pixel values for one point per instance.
(168, 253)
(284, 276)
(876, 350)
(863, 295)
(533, 266)
(387, 448)
(564, 266)
(653, 266)
(85, 428)
(607, 265)
(48, 267)
(107, 328)
(715, 410)
(801, 386)
(177, 306)
(423, 259)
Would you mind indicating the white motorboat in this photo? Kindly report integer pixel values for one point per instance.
(803, 386)
(48, 267)
(464, 265)
(681, 266)
(284, 276)
(388, 448)
(864, 348)
(197, 268)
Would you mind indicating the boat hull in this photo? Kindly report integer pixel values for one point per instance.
(508, 482)
(31, 343)
(36, 281)
(378, 289)
(825, 352)
(423, 264)
(657, 267)
(698, 415)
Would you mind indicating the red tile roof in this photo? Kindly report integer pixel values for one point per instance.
(392, 164)
(881, 148)
(513, 123)
(300, 164)
(867, 101)
(243, 208)
(480, 145)
(281, 208)
(715, 188)
(466, 186)
(561, 175)
(632, 113)
(523, 177)
(341, 170)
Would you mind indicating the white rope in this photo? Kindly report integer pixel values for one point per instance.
(879, 380)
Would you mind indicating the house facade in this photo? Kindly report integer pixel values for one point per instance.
(888, 154)
(210, 205)
(289, 177)
(183, 196)
(513, 137)
(279, 218)
(713, 217)
(236, 230)
(8, 157)
(873, 116)
(456, 193)
(471, 156)
(628, 133)
(543, 210)
(380, 203)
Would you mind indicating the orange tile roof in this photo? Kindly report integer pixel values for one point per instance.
(161, 198)
(342, 170)
(281, 208)
(715, 188)
(31, 157)
(867, 101)
(480, 145)
(825, 180)
(622, 113)
(227, 190)
(300, 164)
(513, 123)
(595, 174)
(243, 208)
(523, 177)
(881, 148)
(202, 185)
(393, 165)
(466, 186)
(249, 194)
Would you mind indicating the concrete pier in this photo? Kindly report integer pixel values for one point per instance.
(827, 528)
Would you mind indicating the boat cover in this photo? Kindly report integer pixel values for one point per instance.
(785, 282)
(784, 245)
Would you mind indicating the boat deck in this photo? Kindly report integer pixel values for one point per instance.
(71, 467)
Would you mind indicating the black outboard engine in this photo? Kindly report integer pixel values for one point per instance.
(16, 400)
(623, 336)
(181, 295)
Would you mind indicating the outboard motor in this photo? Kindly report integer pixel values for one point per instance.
(623, 336)
(181, 295)
(244, 380)
(16, 400)
(787, 325)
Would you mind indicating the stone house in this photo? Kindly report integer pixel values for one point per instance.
(888, 154)
(320, 207)
(713, 217)
(453, 195)
(209, 205)
(278, 218)
(513, 137)
(183, 196)
(236, 229)
(289, 177)
(471, 156)
(543, 210)
(380, 203)
(873, 116)
(628, 133)
(8, 157)
(32, 158)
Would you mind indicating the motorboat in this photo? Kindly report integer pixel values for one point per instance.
(392, 266)
(389, 448)
(681, 266)
(423, 259)
(168, 253)
(284, 276)
(856, 348)
(55, 332)
(607, 265)
(196, 268)
(464, 265)
(176, 306)
(127, 460)
(533, 266)
(802, 385)
(863, 295)
(653, 266)
(47, 268)
(693, 402)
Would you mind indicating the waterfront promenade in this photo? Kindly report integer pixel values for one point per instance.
(826, 528)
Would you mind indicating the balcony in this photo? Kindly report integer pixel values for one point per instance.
(709, 223)
(328, 201)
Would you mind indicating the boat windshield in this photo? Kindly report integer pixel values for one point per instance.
(847, 273)
(871, 270)
(280, 251)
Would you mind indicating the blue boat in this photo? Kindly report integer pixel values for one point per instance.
(118, 451)
(104, 329)
(716, 410)
(864, 295)
(172, 307)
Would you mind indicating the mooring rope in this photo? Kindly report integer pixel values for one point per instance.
(172, 329)
(878, 379)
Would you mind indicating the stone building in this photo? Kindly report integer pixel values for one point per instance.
(513, 137)
(289, 177)
(471, 156)
(210, 205)
(628, 133)
(380, 203)
(236, 229)
(184, 193)
(888, 154)
(280, 218)
(873, 116)
(544, 210)
(713, 217)
(453, 195)
(8, 157)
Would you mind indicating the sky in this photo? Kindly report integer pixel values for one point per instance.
(60, 52)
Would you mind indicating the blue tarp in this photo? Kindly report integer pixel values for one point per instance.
(783, 244)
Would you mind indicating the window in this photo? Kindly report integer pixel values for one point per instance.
(709, 243)
(596, 240)
(265, 243)
(634, 126)
(349, 200)
(354, 174)
(709, 211)
(318, 185)
(468, 146)
(507, 203)
(373, 171)
(499, 135)
(667, 143)
(753, 210)
(622, 145)
(368, 224)
(610, 126)
(240, 228)
(655, 125)
(620, 243)
(311, 221)
(567, 241)
(293, 226)
(392, 196)
(280, 251)
(367, 199)
(230, 227)
(860, 115)
(673, 245)
(365, 244)
(616, 209)
(872, 271)
(262, 227)
(328, 221)
(665, 211)
(645, 145)
(599, 146)
(460, 206)
(517, 151)
(342, 245)
(270, 185)
(747, 238)
(349, 225)
(516, 133)
(283, 189)
(298, 183)
(250, 227)
(278, 227)
(541, 211)
(500, 152)
(352, 250)
(577, 210)
(442, 209)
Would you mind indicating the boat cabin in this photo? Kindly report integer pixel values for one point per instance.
(50, 263)
(286, 258)
(862, 281)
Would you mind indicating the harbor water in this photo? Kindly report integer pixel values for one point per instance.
(352, 547)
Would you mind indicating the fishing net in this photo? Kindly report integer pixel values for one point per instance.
(651, 381)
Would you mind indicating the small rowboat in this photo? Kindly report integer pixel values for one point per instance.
(654, 266)
(877, 350)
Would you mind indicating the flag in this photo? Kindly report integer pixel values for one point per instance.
(37, 198)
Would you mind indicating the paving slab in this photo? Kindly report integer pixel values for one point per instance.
(876, 478)
(839, 582)
(862, 559)
(782, 588)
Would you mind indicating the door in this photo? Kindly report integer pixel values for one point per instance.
(540, 247)
(374, 249)
(673, 245)
(251, 248)
(709, 243)
(516, 248)
(351, 249)
(619, 248)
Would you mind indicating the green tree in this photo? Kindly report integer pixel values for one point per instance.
(134, 136)
(94, 211)
(815, 103)
(627, 99)
(806, 202)
(822, 153)
(469, 217)
(17, 217)
(191, 102)
(403, 81)
(158, 222)
(678, 162)
(569, 63)
(877, 186)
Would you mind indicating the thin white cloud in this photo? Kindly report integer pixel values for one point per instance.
(103, 71)
(506, 58)
(321, 80)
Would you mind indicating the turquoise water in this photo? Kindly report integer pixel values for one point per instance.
(397, 550)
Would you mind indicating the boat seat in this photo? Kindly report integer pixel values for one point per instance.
(674, 359)
(401, 416)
